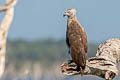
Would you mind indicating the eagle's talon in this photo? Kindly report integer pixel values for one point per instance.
(70, 61)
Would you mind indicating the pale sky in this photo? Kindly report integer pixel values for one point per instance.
(38, 19)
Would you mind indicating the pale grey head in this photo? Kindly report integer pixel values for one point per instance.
(71, 12)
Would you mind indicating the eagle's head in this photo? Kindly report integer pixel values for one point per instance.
(71, 12)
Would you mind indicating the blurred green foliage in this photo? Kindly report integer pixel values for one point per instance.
(47, 52)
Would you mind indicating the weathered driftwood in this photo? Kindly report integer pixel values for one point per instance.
(104, 64)
(9, 13)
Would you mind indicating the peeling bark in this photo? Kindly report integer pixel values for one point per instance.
(104, 64)
(6, 22)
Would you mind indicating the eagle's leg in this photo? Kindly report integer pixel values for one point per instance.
(78, 67)
(68, 50)
(69, 61)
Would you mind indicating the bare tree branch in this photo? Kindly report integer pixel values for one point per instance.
(9, 13)
(104, 64)
(9, 4)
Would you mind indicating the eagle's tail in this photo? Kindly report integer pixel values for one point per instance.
(81, 69)
(82, 64)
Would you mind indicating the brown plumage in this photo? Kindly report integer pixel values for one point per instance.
(76, 40)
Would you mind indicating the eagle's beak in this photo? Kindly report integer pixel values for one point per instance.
(65, 14)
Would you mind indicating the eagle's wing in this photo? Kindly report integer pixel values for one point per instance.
(67, 39)
(68, 44)
(85, 44)
(78, 43)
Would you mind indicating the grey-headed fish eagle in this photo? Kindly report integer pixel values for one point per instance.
(76, 40)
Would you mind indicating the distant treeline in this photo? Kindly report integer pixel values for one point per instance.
(45, 51)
